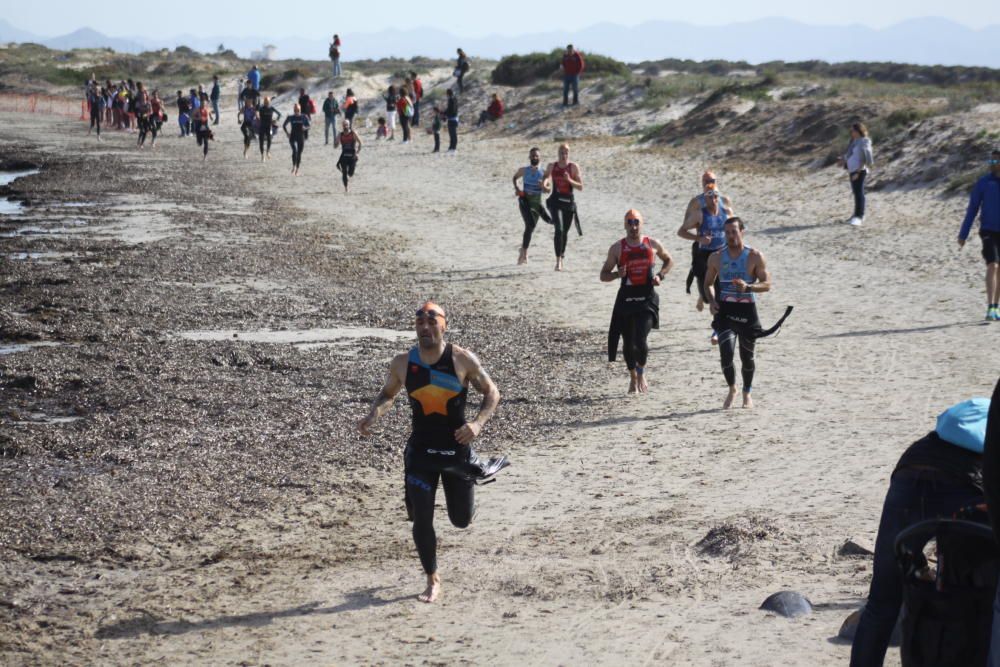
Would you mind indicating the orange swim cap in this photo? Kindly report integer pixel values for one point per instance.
(431, 310)
(633, 214)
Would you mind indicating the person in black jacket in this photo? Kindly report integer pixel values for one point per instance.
(451, 113)
(935, 477)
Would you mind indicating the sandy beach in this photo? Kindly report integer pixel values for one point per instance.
(629, 530)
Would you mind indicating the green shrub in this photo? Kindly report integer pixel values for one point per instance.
(523, 70)
(962, 184)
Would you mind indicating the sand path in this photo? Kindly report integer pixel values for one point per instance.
(585, 551)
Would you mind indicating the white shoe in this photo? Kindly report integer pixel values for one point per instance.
(856, 222)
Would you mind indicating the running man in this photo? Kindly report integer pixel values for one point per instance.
(564, 177)
(268, 117)
(529, 199)
(350, 149)
(204, 132)
(247, 119)
(297, 137)
(742, 273)
(985, 202)
(97, 104)
(436, 376)
(637, 307)
(694, 218)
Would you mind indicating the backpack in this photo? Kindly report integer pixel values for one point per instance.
(947, 621)
(408, 108)
(334, 51)
(312, 107)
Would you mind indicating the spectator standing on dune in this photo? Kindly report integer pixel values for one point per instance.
(418, 94)
(462, 67)
(572, 68)
(335, 55)
(857, 160)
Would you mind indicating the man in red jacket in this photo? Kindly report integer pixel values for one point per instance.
(572, 67)
(418, 94)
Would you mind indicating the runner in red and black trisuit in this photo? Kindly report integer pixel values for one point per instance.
(437, 376)
(350, 148)
(632, 260)
(563, 177)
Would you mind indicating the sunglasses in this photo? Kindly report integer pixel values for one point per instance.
(633, 222)
(711, 180)
(429, 314)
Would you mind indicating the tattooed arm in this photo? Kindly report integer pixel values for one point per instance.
(477, 376)
(393, 383)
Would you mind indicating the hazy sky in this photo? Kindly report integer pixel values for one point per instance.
(314, 18)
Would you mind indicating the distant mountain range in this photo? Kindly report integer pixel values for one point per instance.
(926, 41)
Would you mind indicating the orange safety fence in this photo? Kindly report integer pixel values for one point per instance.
(47, 104)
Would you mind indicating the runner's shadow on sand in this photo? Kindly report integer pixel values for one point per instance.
(150, 624)
(883, 332)
(791, 229)
(614, 421)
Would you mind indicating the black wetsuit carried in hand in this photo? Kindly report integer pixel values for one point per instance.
(437, 398)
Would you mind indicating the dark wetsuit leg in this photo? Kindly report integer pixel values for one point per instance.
(530, 216)
(264, 137)
(346, 165)
(562, 220)
(421, 487)
(728, 342)
(699, 265)
(635, 333)
(460, 496)
(298, 144)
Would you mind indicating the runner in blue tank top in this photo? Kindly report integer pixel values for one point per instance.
(705, 228)
(437, 376)
(741, 273)
(692, 221)
(529, 199)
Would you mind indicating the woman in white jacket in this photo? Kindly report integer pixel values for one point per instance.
(858, 160)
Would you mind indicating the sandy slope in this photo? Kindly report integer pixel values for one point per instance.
(585, 552)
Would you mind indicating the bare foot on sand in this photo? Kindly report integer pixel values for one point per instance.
(559, 264)
(633, 384)
(700, 306)
(642, 385)
(522, 258)
(747, 401)
(433, 590)
(730, 397)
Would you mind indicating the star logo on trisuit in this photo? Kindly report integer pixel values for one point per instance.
(434, 399)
